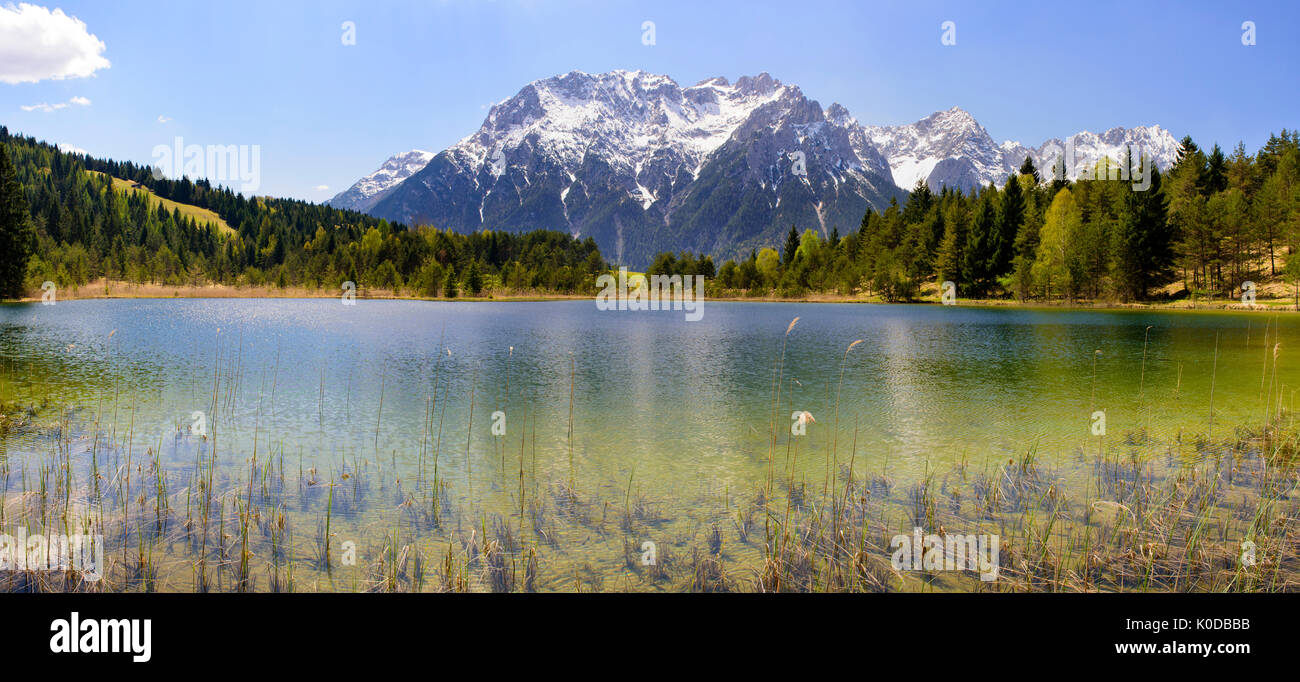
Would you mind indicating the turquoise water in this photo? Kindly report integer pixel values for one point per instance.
(681, 409)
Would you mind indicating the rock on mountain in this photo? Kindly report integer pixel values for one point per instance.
(1084, 149)
(362, 195)
(951, 148)
(643, 165)
(945, 148)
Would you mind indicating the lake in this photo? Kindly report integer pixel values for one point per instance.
(581, 434)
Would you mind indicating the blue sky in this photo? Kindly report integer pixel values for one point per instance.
(422, 74)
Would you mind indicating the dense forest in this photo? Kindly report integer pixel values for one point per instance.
(1200, 229)
(79, 228)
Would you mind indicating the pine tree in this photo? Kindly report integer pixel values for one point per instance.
(1028, 168)
(1188, 216)
(1216, 171)
(16, 234)
(473, 279)
(1273, 206)
(449, 287)
(1190, 160)
(1142, 249)
(918, 203)
(1275, 149)
(791, 246)
(1027, 245)
(1011, 214)
(948, 264)
(981, 252)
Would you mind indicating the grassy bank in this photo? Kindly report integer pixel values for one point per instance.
(113, 289)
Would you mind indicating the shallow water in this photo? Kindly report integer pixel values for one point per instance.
(681, 409)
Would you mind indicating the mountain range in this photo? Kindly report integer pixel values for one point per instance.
(643, 165)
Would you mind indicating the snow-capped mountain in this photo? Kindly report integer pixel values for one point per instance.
(945, 148)
(643, 165)
(368, 190)
(951, 148)
(1084, 149)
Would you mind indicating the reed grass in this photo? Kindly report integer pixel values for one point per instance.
(1153, 513)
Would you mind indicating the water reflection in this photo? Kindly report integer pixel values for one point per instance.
(678, 406)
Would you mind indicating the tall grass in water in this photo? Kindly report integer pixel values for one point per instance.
(778, 379)
(1152, 515)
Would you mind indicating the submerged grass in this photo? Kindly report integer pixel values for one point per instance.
(1182, 512)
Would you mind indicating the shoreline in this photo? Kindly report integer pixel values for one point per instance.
(100, 290)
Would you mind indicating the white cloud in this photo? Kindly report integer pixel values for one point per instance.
(322, 188)
(163, 119)
(38, 44)
(72, 149)
(47, 108)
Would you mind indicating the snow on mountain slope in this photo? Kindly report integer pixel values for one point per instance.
(619, 157)
(643, 165)
(368, 190)
(641, 125)
(946, 148)
(951, 148)
(1153, 141)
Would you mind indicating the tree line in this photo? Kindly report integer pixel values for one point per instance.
(1201, 229)
(1204, 227)
(62, 220)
